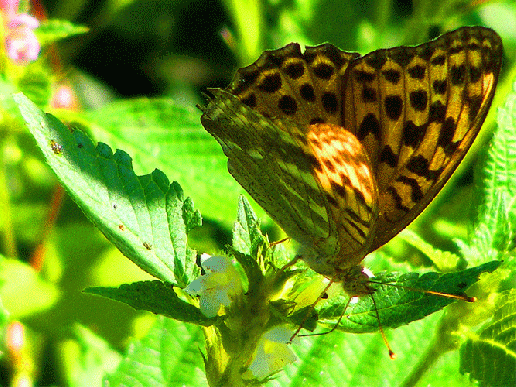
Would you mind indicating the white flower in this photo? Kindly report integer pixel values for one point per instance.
(272, 353)
(218, 286)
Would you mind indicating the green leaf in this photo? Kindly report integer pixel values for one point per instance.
(23, 291)
(162, 134)
(90, 360)
(36, 84)
(146, 217)
(401, 305)
(247, 236)
(167, 356)
(247, 18)
(490, 355)
(443, 260)
(345, 359)
(496, 185)
(53, 30)
(248, 243)
(155, 297)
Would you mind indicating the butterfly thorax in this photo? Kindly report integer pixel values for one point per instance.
(343, 267)
(355, 281)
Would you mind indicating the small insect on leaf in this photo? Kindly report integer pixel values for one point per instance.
(56, 147)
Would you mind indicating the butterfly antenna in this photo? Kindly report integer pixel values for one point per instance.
(462, 297)
(392, 355)
(272, 244)
(321, 296)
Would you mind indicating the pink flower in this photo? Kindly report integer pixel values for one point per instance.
(21, 42)
(22, 45)
(9, 7)
(64, 98)
(23, 19)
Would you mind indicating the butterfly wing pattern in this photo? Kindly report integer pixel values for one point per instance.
(343, 151)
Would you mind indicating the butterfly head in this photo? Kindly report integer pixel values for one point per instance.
(340, 269)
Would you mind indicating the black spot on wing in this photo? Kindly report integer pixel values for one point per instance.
(437, 112)
(402, 56)
(250, 100)
(295, 70)
(393, 106)
(413, 134)
(416, 194)
(369, 94)
(307, 92)
(393, 76)
(330, 102)
(316, 120)
(364, 76)
(417, 72)
(474, 74)
(287, 105)
(425, 52)
(475, 103)
(418, 99)
(323, 71)
(339, 190)
(369, 125)
(376, 59)
(438, 60)
(420, 166)
(397, 199)
(440, 86)
(458, 74)
(387, 156)
(270, 83)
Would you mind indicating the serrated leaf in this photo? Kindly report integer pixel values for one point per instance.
(167, 356)
(246, 232)
(155, 297)
(490, 355)
(144, 216)
(160, 133)
(496, 184)
(399, 306)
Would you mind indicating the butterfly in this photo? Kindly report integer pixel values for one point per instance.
(343, 151)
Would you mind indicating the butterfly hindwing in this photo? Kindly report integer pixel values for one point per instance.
(286, 83)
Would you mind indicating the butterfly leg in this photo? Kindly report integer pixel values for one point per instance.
(321, 296)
